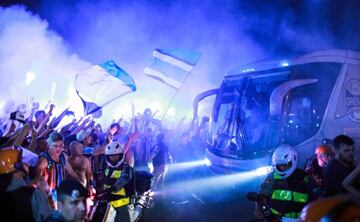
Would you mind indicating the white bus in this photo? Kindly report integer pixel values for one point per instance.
(298, 101)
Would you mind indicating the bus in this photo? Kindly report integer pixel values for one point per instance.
(298, 101)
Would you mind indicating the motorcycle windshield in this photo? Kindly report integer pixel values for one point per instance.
(267, 108)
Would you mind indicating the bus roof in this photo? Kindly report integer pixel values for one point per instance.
(333, 55)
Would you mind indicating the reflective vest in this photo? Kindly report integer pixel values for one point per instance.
(289, 196)
(111, 176)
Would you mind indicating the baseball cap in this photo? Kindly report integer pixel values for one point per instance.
(72, 188)
(81, 135)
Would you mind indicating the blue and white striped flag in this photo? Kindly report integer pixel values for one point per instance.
(101, 84)
(172, 66)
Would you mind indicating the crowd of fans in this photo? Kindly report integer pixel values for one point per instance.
(47, 161)
(48, 169)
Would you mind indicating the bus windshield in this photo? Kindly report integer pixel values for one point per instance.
(267, 108)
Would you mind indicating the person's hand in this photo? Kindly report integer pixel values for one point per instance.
(43, 186)
(52, 106)
(69, 113)
(52, 123)
(92, 123)
(35, 106)
(91, 192)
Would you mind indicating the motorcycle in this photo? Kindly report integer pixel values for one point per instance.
(141, 200)
(263, 202)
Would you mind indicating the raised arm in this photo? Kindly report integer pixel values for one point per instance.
(89, 173)
(23, 133)
(32, 145)
(80, 127)
(46, 119)
(56, 121)
(101, 149)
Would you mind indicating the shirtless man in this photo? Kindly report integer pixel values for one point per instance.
(80, 163)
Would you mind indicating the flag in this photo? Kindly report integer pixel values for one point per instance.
(101, 84)
(172, 66)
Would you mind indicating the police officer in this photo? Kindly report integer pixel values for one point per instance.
(117, 178)
(286, 188)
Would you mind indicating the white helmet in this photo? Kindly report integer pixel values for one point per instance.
(114, 148)
(284, 160)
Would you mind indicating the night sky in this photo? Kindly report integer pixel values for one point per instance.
(277, 26)
(228, 33)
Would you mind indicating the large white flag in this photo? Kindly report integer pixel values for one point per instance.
(172, 66)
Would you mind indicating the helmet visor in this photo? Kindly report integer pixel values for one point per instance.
(283, 167)
(115, 158)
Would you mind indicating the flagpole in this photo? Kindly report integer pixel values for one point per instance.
(173, 97)
(171, 101)
(182, 58)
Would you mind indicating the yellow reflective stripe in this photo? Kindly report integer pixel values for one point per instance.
(289, 195)
(281, 195)
(116, 174)
(300, 197)
(121, 202)
(120, 192)
(290, 215)
(274, 211)
(277, 176)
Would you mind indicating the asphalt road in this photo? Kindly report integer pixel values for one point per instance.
(203, 197)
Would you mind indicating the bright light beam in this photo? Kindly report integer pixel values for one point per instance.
(207, 162)
(262, 170)
(213, 182)
(186, 165)
(284, 63)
